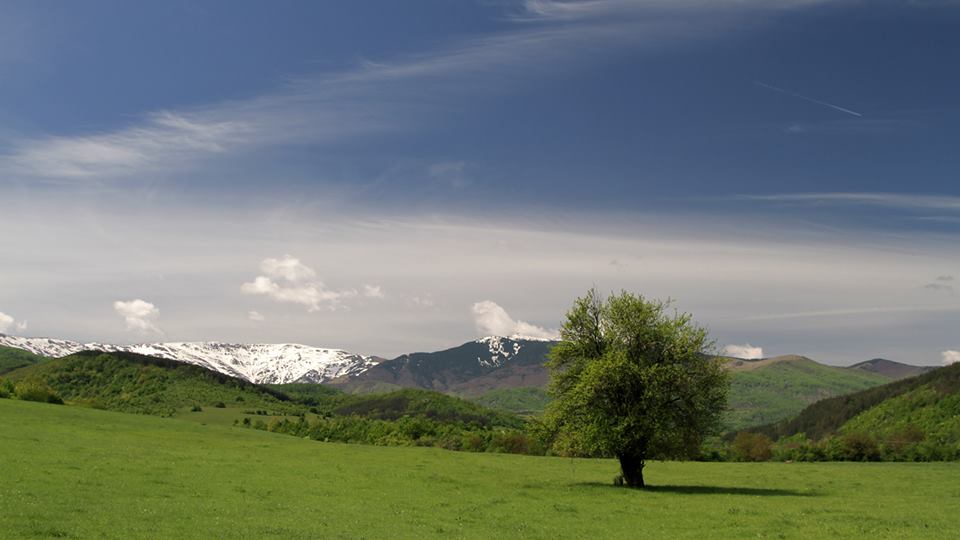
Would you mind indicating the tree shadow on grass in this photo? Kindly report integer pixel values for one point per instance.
(708, 490)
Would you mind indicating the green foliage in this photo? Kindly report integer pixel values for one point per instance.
(827, 416)
(526, 401)
(141, 384)
(426, 404)
(407, 418)
(781, 390)
(308, 394)
(924, 416)
(11, 359)
(73, 472)
(6, 389)
(406, 431)
(631, 381)
(752, 447)
(34, 390)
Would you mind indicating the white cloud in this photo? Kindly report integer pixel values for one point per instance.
(423, 301)
(746, 351)
(889, 200)
(7, 323)
(575, 10)
(492, 320)
(139, 315)
(373, 291)
(163, 138)
(379, 96)
(288, 268)
(255, 316)
(950, 357)
(289, 280)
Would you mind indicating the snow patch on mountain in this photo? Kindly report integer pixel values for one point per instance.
(258, 363)
(502, 348)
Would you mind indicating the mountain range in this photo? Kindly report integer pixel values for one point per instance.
(256, 363)
(502, 372)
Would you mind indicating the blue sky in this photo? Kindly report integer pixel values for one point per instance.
(785, 170)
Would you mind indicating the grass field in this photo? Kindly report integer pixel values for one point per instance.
(73, 472)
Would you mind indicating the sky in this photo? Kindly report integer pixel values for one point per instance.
(388, 177)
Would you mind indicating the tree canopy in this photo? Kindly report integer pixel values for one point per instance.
(634, 381)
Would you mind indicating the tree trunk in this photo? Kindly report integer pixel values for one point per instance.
(632, 469)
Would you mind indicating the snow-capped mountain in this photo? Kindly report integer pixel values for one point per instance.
(257, 363)
(501, 348)
(486, 363)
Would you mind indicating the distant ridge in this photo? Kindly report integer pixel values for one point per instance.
(492, 362)
(890, 369)
(276, 363)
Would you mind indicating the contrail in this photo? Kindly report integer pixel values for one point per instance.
(810, 99)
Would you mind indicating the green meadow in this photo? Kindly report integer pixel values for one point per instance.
(74, 472)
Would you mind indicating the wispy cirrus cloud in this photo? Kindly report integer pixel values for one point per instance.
(573, 10)
(164, 138)
(890, 200)
(402, 93)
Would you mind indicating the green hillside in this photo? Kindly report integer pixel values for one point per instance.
(766, 391)
(11, 359)
(74, 472)
(525, 401)
(922, 423)
(907, 397)
(141, 384)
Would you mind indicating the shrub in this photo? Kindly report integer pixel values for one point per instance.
(860, 447)
(196, 408)
(36, 391)
(220, 405)
(6, 389)
(749, 446)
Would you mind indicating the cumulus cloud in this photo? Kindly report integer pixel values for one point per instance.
(492, 320)
(423, 301)
(289, 280)
(288, 268)
(950, 357)
(139, 315)
(373, 291)
(255, 316)
(745, 351)
(8, 323)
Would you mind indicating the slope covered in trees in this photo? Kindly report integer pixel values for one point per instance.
(11, 359)
(774, 389)
(828, 416)
(130, 382)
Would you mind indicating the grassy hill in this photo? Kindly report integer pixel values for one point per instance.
(921, 400)
(525, 401)
(764, 391)
(130, 382)
(164, 478)
(11, 359)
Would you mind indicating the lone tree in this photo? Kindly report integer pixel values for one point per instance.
(632, 381)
